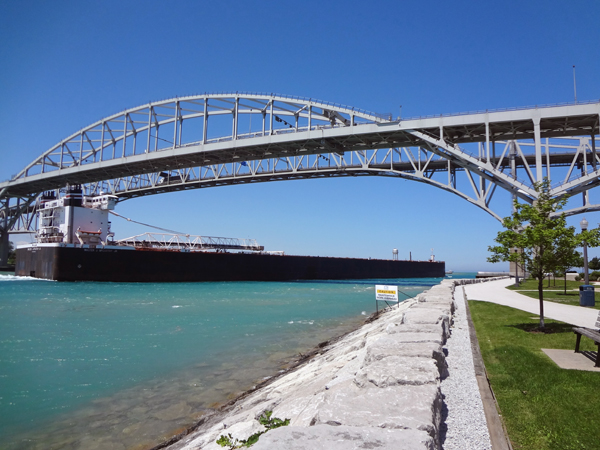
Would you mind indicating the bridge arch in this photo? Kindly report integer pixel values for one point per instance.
(158, 126)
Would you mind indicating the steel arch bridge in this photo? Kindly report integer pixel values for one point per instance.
(236, 138)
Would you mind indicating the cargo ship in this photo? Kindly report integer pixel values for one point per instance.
(74, 242)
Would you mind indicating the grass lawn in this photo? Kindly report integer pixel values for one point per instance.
(543, 406)
(555, 293)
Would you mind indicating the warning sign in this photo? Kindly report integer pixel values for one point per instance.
(388, 293)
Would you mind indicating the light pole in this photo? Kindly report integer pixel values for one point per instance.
(517, 270)
(584, 225)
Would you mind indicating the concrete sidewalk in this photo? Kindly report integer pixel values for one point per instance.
(496, 292)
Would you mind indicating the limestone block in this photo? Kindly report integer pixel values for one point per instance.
(398, 370)
(416, 407)
(427, 315)
(440, 297)
(429, 331)
(387, 346)
(240, 430)
(385, 314)
(349, 370)
(301, 409)
(305, 383)
(417, 327)
(447, 296)
(357, 345)
(251, 401)
(440, 294)
(446, 305)
(412, 335)
(327, 437)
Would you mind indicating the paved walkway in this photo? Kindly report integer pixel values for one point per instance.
(495, 292)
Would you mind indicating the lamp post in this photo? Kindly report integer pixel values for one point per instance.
(516, 269)
(584, 225)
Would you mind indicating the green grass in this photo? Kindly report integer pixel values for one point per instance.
(543, 406)
(555, 293)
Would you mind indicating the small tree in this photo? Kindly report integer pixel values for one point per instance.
(594, 263)
(546, 241)
(12, 255)
(567, 257)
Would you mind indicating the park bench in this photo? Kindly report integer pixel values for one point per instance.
(592, 334)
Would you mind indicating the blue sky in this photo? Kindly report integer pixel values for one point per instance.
(66, 64)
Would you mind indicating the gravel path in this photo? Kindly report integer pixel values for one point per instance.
(495, 292)
(466, 426)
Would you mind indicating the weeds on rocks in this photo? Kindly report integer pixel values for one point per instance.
(265, 420)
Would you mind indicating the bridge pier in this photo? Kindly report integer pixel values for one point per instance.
(4, 247)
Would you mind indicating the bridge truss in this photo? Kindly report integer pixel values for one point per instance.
(223, 139)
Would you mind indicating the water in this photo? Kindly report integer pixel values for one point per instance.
(125, 365)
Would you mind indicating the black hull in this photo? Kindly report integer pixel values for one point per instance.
(82, 264)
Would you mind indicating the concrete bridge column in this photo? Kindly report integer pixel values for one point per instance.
(538, 149)
(3, 248)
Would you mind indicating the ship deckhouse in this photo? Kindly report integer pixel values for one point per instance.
(75, 219)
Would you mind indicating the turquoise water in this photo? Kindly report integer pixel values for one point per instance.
(121, 365)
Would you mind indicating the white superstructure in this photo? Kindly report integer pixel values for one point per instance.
(75, 219)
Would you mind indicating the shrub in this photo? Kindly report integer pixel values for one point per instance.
(265, 420)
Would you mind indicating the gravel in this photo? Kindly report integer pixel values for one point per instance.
(465, 424)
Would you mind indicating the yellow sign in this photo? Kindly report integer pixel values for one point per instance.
(383, 292)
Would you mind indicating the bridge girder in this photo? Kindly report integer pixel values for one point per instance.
(144, 150)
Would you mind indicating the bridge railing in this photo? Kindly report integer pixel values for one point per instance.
(495, 110)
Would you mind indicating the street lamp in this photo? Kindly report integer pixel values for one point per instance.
(584, 224)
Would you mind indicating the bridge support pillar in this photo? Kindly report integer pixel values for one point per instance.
(538, 149)
(4, 246)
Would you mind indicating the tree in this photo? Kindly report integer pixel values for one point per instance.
(567, 257)
(547, 243)
(12, 255)
(593, 263)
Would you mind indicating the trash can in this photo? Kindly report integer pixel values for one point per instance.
(586, 295)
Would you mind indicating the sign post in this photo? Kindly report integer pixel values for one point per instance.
(384, 293)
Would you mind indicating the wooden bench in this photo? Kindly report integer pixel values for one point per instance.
(592, 334)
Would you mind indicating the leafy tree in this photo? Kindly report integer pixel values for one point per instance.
(547, 243)
(567, 257)
(12, 255)
(593, 264)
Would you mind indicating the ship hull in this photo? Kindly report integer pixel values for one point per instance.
(127, 265)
